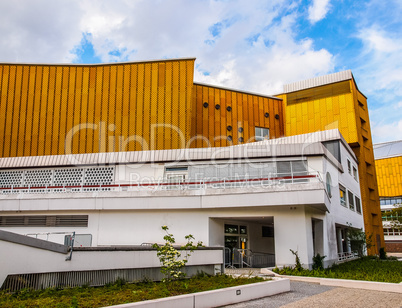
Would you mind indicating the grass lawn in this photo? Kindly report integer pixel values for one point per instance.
(367, 268)
(117, 293)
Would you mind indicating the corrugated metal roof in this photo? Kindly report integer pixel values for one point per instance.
(317, 81)
(387, 149)
(306, 144)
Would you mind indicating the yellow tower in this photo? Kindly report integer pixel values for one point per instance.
(334, 101)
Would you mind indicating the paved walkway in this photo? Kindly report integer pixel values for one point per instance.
(312, 295)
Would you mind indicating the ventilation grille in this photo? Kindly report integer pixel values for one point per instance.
(11, 178)
(44, 221)
(57, 177)
(90, 278)
(68, 177)
(38, 177)
(99, 176)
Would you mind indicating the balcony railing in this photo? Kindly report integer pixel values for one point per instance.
(343, 256)
(163, 185)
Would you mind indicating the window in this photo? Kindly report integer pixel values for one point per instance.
(175, 169)
(176, 174)
(351, 201)
(358, 206)
(235, 236)
(342, 195)
(391, 201)
(355, 173)
(329, 184)
(267, 231)
(349, 167)
(261, 133)
(232, 229)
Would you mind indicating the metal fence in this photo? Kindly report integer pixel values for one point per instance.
(240, 258)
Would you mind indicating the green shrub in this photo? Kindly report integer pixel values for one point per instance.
(318, 262)
(298, 266)
(366, 268)
(383, 254)
(170, 257)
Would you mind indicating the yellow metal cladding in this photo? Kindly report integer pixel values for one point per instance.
(224, 117)
(340, 105)
(321, 108)
(62, 109)
(389, 176)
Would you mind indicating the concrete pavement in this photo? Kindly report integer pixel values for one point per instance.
(304, 294)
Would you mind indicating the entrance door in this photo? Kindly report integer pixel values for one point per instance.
(236, 236)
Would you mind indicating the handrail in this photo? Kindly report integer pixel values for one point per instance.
(70, 256)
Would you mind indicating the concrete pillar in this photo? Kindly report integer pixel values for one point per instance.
(348, 248)
(339, 239)
(291, 233)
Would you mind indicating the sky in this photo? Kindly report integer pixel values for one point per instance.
(250, 45)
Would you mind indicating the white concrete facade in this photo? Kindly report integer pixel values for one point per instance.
(203, 196)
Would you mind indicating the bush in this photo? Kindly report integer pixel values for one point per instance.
(170, 257)
(383, 254)
(317, 262)
(298, 266)
(366, 268)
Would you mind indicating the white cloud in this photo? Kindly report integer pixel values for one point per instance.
(380, 68)
(383, 132)
(39, 31)
(256, 48)
(318, 10)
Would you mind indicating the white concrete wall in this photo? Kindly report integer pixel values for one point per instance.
(21, 259)
(132, 218)
(259, 243)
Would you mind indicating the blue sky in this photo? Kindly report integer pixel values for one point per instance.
(250, 45)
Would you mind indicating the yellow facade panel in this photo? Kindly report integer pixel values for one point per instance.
(15, 123)
(389, 176)
(118, 136)
(92, 98)
(63, 109)
(111, 111)
(80, 112)
(29, 114)
(168, 104)
(3, 105)
(9, 111)
(175, 104)
(43, 111)
(139, 116)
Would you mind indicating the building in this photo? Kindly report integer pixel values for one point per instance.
(259, 199)
(79, 125)
(388, 165)
(334, 101)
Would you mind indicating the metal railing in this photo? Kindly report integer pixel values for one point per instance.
(342, 256)
(70, 242)
(240, 258)
(162, 185)
(392, 232)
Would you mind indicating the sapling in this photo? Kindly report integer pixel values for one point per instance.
(171, 258)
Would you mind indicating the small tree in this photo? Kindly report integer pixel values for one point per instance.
(359, 240)
(171, 258)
